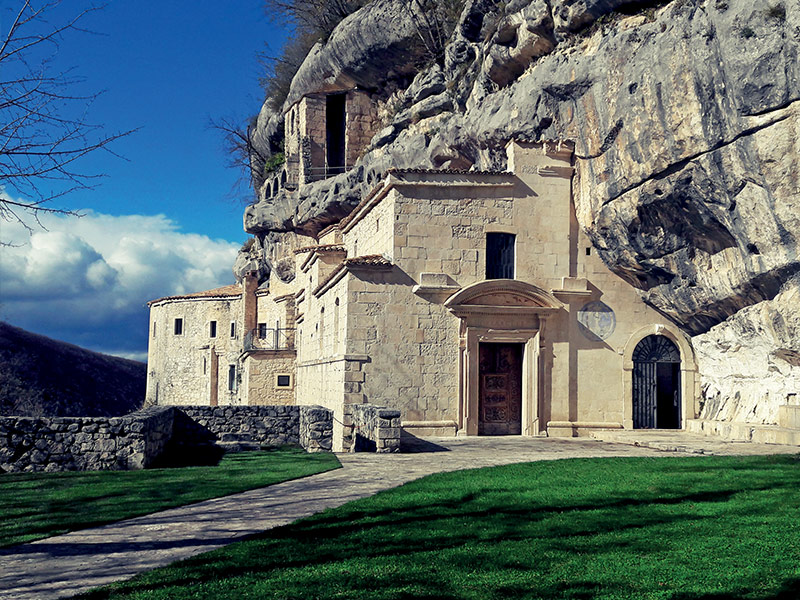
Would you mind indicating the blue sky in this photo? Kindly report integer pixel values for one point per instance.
(163, 221)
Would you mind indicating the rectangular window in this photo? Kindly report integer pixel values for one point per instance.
(335, 119)
(262, 330)
(154, 329)
(500, 256)
(231, 378)
(178, 326)
(233, 329)
(212, 329)
(283, 381)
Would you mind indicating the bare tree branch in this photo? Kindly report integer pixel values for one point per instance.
(44, 125)
(245, 155)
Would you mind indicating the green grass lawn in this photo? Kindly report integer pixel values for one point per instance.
(632, 528)
(38, 505)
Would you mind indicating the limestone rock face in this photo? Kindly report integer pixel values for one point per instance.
(372, 48)
(686, 121)
(750, 362)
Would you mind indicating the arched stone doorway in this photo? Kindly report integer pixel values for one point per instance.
(656, 384)
(500, 361)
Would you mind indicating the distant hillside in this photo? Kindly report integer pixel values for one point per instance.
(40, 376)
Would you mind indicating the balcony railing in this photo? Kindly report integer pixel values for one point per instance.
(320, 173)
(269, 338)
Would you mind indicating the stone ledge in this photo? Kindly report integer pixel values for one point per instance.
(758, 433)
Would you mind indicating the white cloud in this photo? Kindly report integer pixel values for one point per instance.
(87, 280)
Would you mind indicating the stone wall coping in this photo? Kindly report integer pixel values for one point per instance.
(333, 359)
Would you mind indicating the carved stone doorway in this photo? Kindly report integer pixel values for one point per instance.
(500, 399)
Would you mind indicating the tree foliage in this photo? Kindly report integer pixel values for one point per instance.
(434, 21)
(44, 126)
(312, 21)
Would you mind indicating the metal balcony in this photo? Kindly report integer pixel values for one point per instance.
(269, 338)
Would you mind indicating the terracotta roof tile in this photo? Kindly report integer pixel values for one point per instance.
(224, 291)
(370, 260)
(321, 248)
(447, 172)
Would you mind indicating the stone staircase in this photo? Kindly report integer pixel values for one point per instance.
(676, 440)
(786, 432)
(237, 442)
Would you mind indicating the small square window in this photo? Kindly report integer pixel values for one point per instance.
(212, 329)
(178, 327)
(283, 380)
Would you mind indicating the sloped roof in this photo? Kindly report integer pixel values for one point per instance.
(369, 260)
(226, 291)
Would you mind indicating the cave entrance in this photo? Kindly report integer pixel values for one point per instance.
(656, 384)
(335, 120)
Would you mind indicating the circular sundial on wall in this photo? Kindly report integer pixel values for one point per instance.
(596, 320)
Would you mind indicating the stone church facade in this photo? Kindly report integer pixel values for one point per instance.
(469, 300)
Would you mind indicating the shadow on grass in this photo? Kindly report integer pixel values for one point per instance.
(437, 541)
(789, 590)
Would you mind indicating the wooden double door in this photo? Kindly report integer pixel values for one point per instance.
(500, 398)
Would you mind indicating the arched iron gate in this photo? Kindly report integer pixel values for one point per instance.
(656, 384)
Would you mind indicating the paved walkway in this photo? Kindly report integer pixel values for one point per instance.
(68, 564)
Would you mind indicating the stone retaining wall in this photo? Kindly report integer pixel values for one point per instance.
(316, 428)
(264, 425)
(375, 428)
(165, 434)
(84, 443)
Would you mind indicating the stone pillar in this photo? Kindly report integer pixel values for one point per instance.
(249, 287)
(213, 399)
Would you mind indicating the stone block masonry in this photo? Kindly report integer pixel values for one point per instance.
(271, 426)
(264, 425)
(316, 428)
(375, 428)
(82, 443)
(138, 440)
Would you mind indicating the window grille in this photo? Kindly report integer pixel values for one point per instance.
(500, 256)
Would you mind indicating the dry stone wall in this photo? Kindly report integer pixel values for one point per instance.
(316, 428)
(375, 428)
(84, 443)
(139, 440)
(265, 425)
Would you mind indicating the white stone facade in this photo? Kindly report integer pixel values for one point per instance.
(396, 306)
(469, 301)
